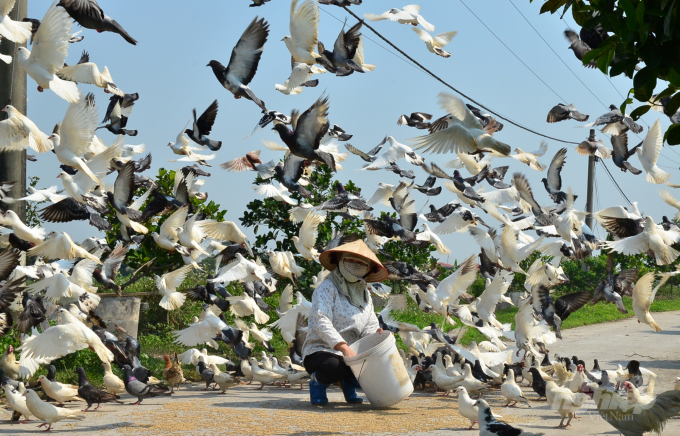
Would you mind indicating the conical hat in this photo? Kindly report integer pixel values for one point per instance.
(357, 248)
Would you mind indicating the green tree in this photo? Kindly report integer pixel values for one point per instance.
(645, 30)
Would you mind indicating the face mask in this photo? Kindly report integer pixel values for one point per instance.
(353, 269)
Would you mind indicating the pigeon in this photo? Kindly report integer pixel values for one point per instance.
(106, 275)
(419, 120)
(615, 122)
(580, 48)
(290, 172)
(88, 72)
(15, 31)
(47, 412)
(206, 373)
(340, 60)
(643, 296)
(91, 394)
(88, 14)
(69, 209)
(537, 383)
(435, 44)
(488, 426)
(18, 132)
(392, 154)
(243, 63)
(50, 48)
(257, 3)
(340, 3)
(553, 183)
(33, 313)
(555, 312)
(138, 389)
(561, 112)
(304, 139)
(649, 153)
(336, 132)
(620, 153)
(406, 15)
(440, 215)
(300, 78)
(202, 126)
(304, 32)
(593, 147)
(393, 167)
(427, 187)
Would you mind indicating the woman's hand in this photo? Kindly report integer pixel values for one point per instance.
(345, 349)
(380, 330)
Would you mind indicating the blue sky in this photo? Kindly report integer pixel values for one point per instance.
(177, 39)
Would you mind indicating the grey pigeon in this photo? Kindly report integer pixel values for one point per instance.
(290, 172)
(206, 373)
(561, 112)
(88, 14)
(138, 389)
(243, 63)
(553, 183)
(339, 61)
(620, 153)
(202, 127)
(368, 157)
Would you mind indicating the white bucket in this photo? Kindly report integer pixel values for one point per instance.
(380, 370)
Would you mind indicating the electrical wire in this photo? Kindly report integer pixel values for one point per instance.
(439, 79)
(623, 194)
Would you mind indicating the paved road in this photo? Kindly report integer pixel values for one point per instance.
(247, 411)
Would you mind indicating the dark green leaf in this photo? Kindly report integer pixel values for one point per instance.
(672, 136)
(674, 104)
(604, 61)
(629, 9)
(593, 54)
(552, 6)
(667, 21)
(640, 111)
(673, 77)
(640, 13)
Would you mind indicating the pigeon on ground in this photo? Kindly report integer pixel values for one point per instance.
(91, 394)
(138, 389)
(488, 426)
(243, 63)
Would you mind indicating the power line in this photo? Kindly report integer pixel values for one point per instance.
(558, 56)
(439, 79)
(513, 53)
(623, 194)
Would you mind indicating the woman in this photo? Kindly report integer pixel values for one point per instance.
(341, 314)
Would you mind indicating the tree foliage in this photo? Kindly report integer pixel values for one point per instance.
(638, 30)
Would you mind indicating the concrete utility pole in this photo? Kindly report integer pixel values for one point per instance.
(13, 91)
(591, 184)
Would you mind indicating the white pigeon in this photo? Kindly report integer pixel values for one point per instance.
(278, 193)
(468, 408)
(304, 31)
(527, 333)
(643, 296)
(38, 195)
(671, 201)
(18, 132)
(452, 287)
(485, 240)
(283, 264)
(427, 235)
(512, 392)
(17, 401)
(301, 74)
(191, 235)
(262, 336)
(15, 31)
(88, 72)
(494, 291)
(300, 212)
(653, 238)
(244, 305)
(392, 154)
(69, 336)
(112, 383)
(435, 44)
(60, 288)
(61, 246)
(531, 158)
(264, 376)
(459, 132)
(359, 56)
(167, 285)
(190, 357)
(241, 269)
(511, 253)
(50, 48)
(382, 194)
(75, 135)
(649, 153)
(409, 14)
(203, 331)
(81, 183)
(168, 236)
(288, 321)
(49, 413)
(309, 231)
(34, 235)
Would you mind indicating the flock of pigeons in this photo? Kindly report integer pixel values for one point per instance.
(67, 292)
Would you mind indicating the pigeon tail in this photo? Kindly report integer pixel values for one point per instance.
(326, 158)
(214, 145)
(65, 89)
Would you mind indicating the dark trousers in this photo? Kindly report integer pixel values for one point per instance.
(329, 368)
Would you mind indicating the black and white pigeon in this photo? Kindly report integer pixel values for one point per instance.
(495, 176)
(90, 15)
(138, 389)
(289, 173)
(117, 114)
(399, 171)
(249, 288)
(337, 132)
(202, 127)
(488, 426)
(344, 202)
(123, 192)
(579, 47)
(243, 63)
(419, 120)
(439, 215)
(69, 209)
(207, 374)
(491, 125)
(106, 275)
(390, 228)
(465, 187)
(234, 338)
(556, 311)
(268, 117)
(308, 129)
(668, 225)
(615, 286)
(92, 395)
(620, 153)
(369, 157)
(427, 187)
(561, 112)
(524, 190)
(553, 181)
(339, 61)
(615, 122)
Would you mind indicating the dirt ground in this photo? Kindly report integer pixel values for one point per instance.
(248, 411)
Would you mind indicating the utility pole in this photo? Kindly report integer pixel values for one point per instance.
(13, 91)
(591, 183)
